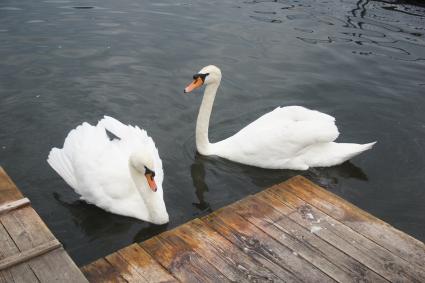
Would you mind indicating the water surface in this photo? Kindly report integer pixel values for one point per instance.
(65, 61)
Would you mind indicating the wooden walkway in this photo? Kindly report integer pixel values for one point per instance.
(291, 232)
(28, 250)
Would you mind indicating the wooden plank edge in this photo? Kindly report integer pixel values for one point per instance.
(12, 192)
(6, 207)
(29, 254)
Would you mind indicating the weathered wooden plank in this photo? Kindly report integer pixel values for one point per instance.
(259, 245)
(5, 277)
(252, 247)
(29, 254)
(126, 270)
(180, 260)
(281, 234)
(8, 190)
(27, 227)
(8, 206)
(101, 271)
(18, 273)
(362, 249)
(144, 264)
(28, 231)
(359, 220)
(21, 273)
(324, 256)
(221, 253)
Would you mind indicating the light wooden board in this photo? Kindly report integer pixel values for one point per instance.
(28, 250)
(18, 273)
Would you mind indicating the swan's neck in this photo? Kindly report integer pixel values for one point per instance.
(154, 202)
(202, 142)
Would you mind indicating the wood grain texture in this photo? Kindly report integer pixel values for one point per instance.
(221, 253)
(28, 231)
(26, 237)
(354, 244)
(255, 242)
(102, 271)
(359, 220)
(18, 273)
(8, 206)
(125, 270)
(144, 264)
(181, 260)
(291, 232)
(327, 258)
(29, 254)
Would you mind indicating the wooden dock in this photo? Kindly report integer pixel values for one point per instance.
(292, 232)
(28, 250)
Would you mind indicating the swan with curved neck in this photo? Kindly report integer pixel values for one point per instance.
(122, 175)
(291, 137)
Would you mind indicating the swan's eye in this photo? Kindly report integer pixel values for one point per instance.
(149, 172)
(202, 76)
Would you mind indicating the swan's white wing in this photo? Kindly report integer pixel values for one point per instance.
(278, 136)
(99, 169)
(84, 143)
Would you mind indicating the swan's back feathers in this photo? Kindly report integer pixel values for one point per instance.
(278, 136)
(290, 137)
(296, 125)
(132, 137)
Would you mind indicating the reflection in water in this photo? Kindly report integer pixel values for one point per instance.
(360, 10)
(149, 231)
(197, 171)
(329, 177)
(94, 221)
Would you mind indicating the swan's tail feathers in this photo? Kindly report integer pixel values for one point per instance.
(331, 154)
(367, 146)
(62, 165)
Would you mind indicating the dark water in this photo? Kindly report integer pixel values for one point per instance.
(64, 62)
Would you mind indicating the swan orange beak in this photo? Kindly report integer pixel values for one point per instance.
(198, 82)
(151, 182)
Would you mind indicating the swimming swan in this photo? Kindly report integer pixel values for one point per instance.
(290, 137)
(123, 175)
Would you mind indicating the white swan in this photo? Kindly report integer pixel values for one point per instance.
(123, 175)
(290, 137)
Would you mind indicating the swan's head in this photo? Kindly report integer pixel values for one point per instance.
(142, 162)
(207, 75)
